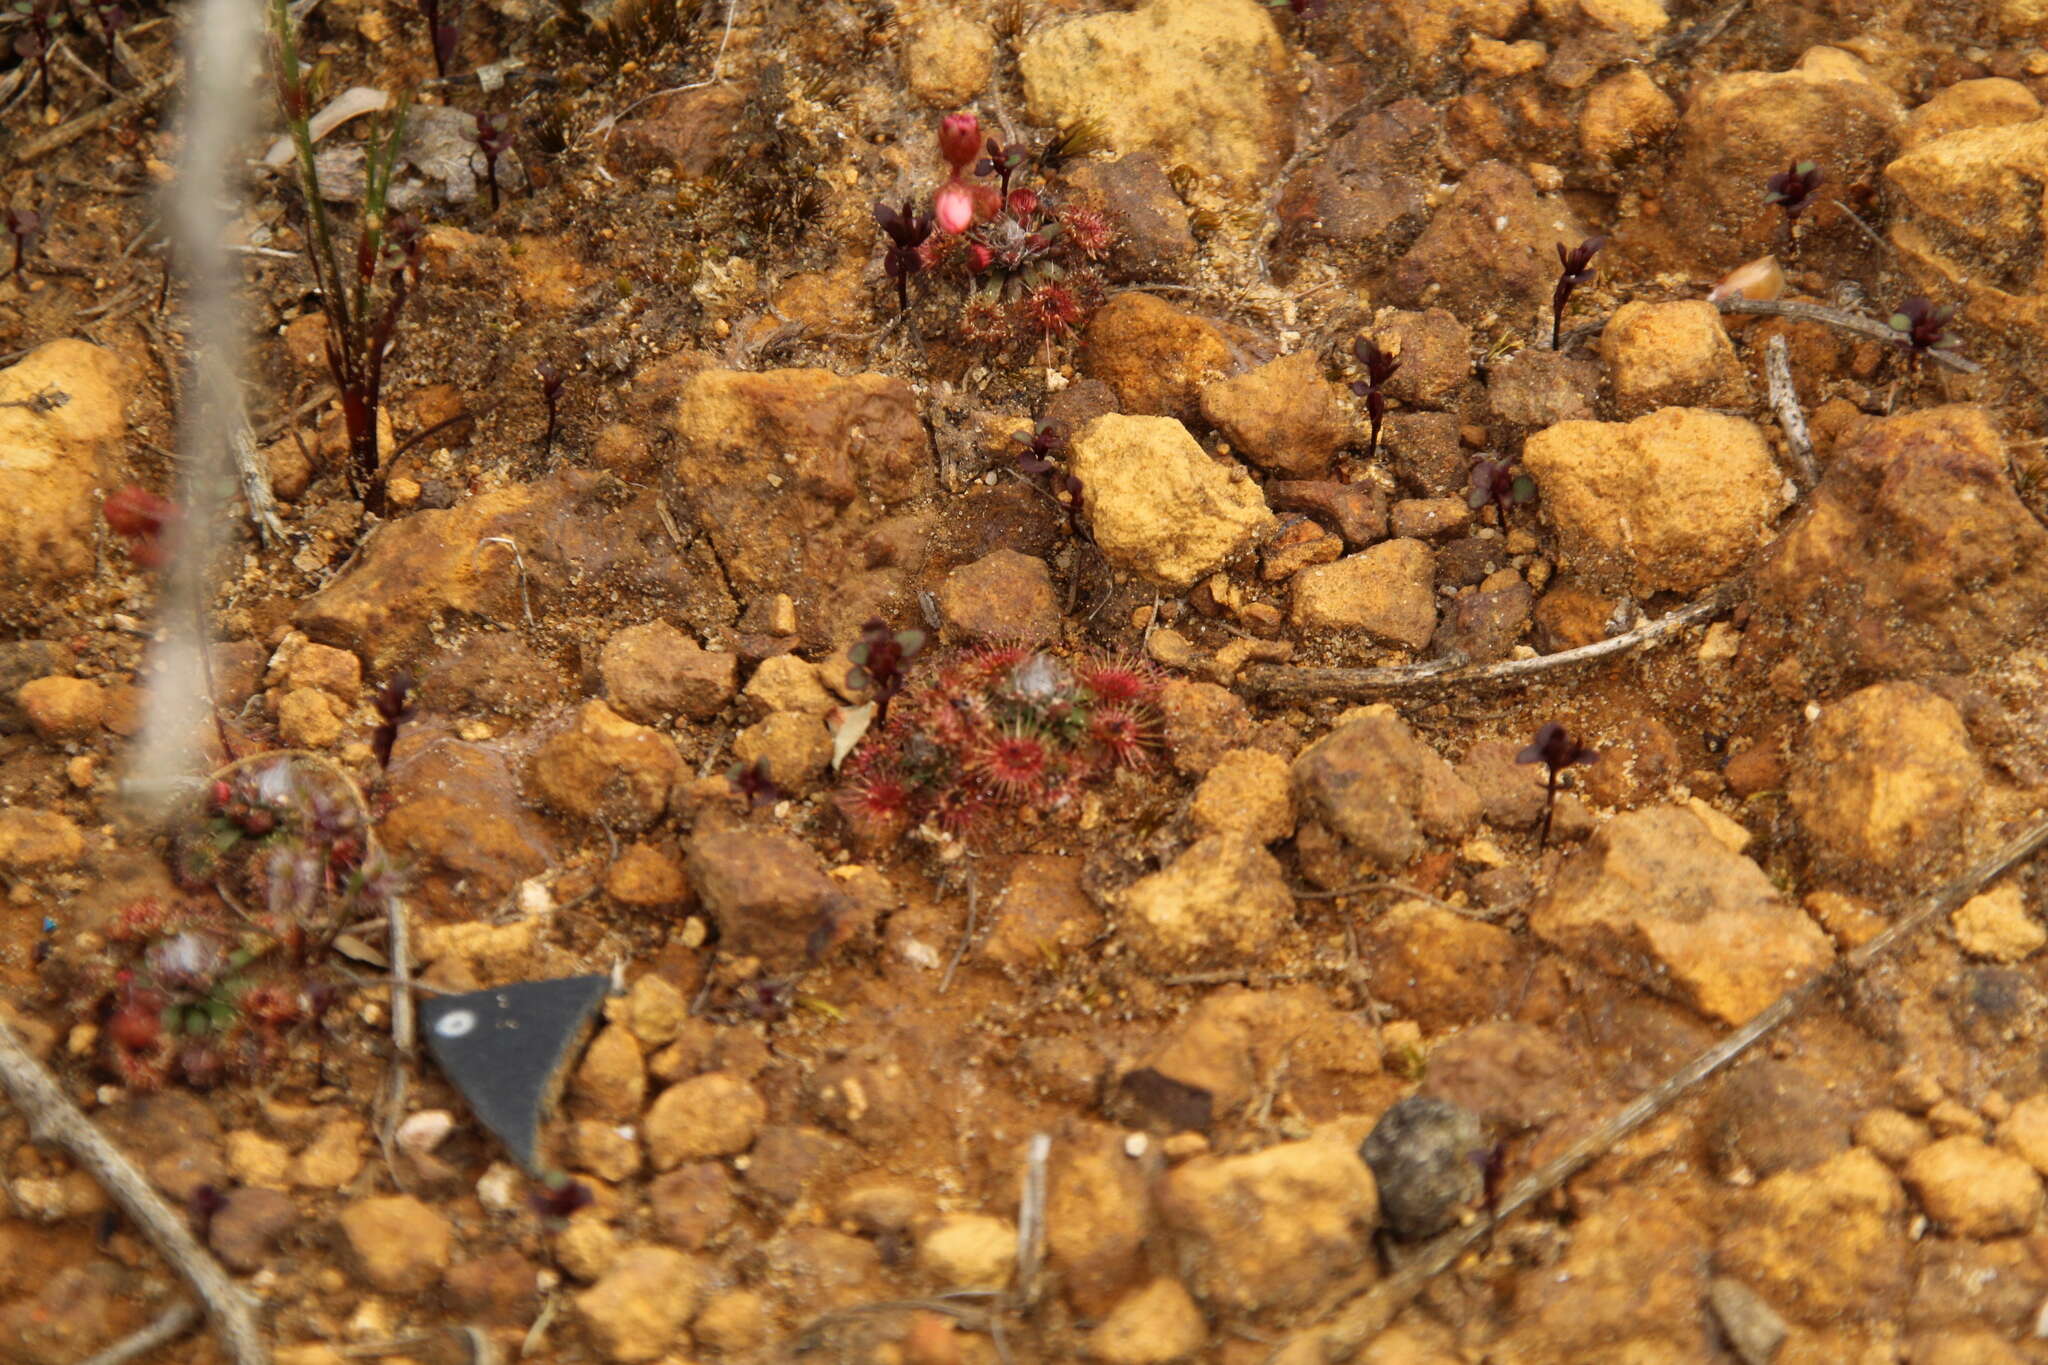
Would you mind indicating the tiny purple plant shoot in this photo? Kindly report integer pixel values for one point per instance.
(1557, 751)
(1496, 482)
(1379, 368)
(1793, 190)
(22, 226)
(1575, 268)
(1920, 325)
(394, 708)
(756, 783)
(551, 379)
(493, 139)
(906, 230)
(879, 658)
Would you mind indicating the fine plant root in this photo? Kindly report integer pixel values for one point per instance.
(54, 1119)
(1303, 683)
(1344, 1334)
(1856, 323)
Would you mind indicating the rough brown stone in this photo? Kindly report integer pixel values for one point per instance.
(605, 768)
(1224, 900)
(1387, 591)
(1155, 356)
(768, 891)
(1657, 899)
(1283, 415)
(1915, 549)
(1001, 596)
(655, 672)
(1271, 1229)
(400, 1245)
(1885, 783)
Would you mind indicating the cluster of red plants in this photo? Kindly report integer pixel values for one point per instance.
(1025, 256)
(996, 731)
(183, 993)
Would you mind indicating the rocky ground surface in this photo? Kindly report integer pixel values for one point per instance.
(1209, 975)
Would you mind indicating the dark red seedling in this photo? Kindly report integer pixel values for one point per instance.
(442, 34)
(551, 392)
(558, 1197)
(34, 42)
(879, 658)
(112, 20)
(1556, 750)
(906, 230)
(755, 783)
(22, 225)
(1920, 325)
(140, 517)
(1575, 269)
(1793, 190)
(1496, 482)
(1003, 163)
(493, 139)
(393, 710)
(1379, 368)
(203, 1203)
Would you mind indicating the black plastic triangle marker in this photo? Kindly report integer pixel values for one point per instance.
(508, 1050)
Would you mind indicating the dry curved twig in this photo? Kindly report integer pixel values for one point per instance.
(166, 1327)
(54, 1119)
(1356, 684)
(1357, 1325)
(1849, 322)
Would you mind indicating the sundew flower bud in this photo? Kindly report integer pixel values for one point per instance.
(953, 206)
(959, 142)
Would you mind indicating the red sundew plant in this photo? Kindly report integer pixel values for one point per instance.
(1025, 257)
(997, 730)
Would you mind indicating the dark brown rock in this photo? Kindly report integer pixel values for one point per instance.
(493, 671)
(1639, 760)
(1768, 1116)
(1370, 190)
(1440, 968)
(788, 1159)
(1476, 267)
(789, 473)
(246, 1231)
(1915, 549)
(1537, 387)
(1511, 1074)
(175, 1138)
(768, 891)
(459, 823)
(690, 134)
(1355, 511)
(1153, 241)
(1041, 916)
(1485, 625)
(605, 768)
(498, 1289)
(693, 1204)
(1426, 453)
(1202, 721)
(1435, 350)
(655, 672)
(1510, 793)
(1001, 596)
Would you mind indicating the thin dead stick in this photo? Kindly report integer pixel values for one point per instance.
(1785, 401)
(254, 472)
(1836, 317)
(1356, 1326)
(1704, 31)
(180, 1318)
(54, 1119)
(1347, 684)
(113, 111)
(1031, 1219)
(966, 934)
